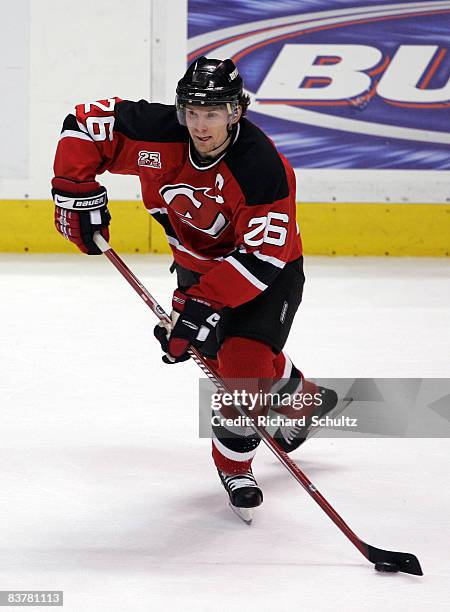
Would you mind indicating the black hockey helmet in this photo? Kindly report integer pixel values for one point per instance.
(210, 81)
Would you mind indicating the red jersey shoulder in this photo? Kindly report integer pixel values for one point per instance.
(99, 108)
(141, 120)
(97, 118)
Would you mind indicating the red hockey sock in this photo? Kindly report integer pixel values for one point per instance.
(281, 364)
(247, 365)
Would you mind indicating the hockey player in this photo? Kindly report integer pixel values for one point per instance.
(226, 199)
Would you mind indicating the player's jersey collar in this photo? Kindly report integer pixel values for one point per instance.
(198, 166)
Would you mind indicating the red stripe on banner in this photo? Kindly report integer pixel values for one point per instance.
(434, 66)
(328, 61)
(351, 101)
(381, 68)
(425, 105)
(245, 52)
(220, 43)
(311, 82)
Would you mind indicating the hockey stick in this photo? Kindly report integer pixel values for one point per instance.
(384, 560)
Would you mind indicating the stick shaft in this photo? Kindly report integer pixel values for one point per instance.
(283, 457)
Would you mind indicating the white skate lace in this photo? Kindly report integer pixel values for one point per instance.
(290, 433)
(237, 481)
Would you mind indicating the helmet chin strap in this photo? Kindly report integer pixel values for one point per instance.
(221, 145)
(230, 128)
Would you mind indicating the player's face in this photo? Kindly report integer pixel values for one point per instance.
(208, 127)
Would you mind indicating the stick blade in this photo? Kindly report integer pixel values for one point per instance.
(406, 562)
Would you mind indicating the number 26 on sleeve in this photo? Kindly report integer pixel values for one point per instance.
(267, 230)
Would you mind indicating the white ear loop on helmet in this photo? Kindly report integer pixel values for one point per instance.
(233, 112)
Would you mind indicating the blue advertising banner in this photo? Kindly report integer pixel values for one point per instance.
(339, 84)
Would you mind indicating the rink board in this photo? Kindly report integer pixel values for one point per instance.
(327, 229)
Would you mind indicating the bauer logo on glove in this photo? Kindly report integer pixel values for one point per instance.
(80, 211)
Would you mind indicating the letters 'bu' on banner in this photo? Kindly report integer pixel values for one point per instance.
(339, 84)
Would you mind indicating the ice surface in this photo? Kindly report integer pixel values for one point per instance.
(108, 494)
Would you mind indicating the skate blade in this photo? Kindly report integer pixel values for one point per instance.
(335, 412)
(245, 514)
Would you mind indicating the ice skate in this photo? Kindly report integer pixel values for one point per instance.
(243, 492)
(290, 437)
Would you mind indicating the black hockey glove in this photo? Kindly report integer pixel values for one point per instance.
(194, 319)
(80, 211)
(162, 335)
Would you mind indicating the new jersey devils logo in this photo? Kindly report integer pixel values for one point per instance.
(196, 207)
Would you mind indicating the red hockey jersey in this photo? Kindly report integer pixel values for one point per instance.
(233, 220)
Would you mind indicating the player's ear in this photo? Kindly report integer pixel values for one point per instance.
(237, 114)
